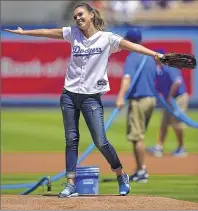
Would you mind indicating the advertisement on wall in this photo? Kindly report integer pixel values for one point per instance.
(38, 68)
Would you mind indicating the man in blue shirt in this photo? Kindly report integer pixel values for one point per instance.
(170, 84)
(141, 102)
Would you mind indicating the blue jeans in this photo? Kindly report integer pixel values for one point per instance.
(92, 110)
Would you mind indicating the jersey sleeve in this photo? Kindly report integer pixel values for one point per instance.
(114, 40)
(130, 65)
(67, 33)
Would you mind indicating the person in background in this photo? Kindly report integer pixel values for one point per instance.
(147, 4)
(170, 84)
(122, 11)
(163, 4)
(141, 103)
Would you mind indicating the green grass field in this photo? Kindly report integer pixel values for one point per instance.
(41, 130)
(178, 187)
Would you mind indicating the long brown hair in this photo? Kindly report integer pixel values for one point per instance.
(98, 22)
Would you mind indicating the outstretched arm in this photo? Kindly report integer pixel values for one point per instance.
(129, 46)
(48, 33)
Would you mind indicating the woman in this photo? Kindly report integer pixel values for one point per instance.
(85, 81)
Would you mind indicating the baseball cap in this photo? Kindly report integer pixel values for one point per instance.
(134, 35)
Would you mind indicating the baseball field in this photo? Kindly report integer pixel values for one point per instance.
(32, 146)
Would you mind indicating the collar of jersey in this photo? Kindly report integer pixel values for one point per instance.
(97, 34)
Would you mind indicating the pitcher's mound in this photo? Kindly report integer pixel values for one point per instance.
(104, 202)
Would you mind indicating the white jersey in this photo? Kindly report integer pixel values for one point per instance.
(87, 70)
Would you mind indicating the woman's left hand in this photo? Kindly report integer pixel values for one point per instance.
(158, 56)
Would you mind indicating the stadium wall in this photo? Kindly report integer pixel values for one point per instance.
(32, 69)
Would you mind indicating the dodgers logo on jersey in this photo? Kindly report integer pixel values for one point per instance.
(77, 51)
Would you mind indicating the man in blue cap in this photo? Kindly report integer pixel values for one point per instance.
(141, 102)
(170, 84)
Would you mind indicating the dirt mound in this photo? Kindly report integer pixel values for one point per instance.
(104, 202)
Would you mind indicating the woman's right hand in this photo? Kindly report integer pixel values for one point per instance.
(16, 31)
